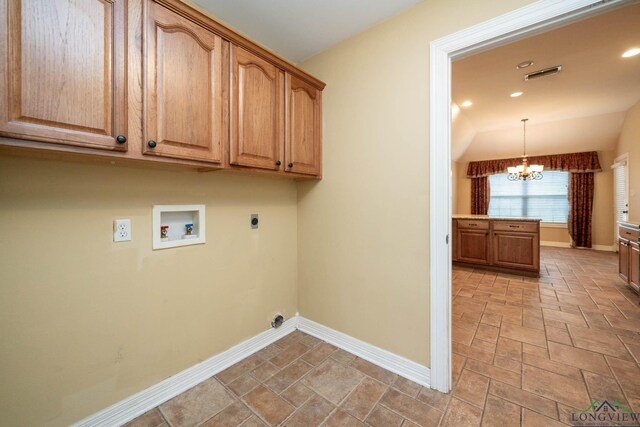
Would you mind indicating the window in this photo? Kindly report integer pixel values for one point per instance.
(547, 198)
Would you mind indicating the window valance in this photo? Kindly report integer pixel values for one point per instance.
(572, 162)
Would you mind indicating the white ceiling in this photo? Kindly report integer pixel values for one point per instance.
(298, 29)
(581, 108)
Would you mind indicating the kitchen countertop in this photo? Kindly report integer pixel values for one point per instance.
(495, 218)
(629, 224)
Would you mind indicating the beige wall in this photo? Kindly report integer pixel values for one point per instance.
(603, 212)
(454, 186)
(363, 231)
(86, 322)
(629, 142)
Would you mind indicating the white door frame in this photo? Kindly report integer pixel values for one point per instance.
(534, 18)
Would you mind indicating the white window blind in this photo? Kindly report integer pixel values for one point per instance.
(620, 189)
(547, 198)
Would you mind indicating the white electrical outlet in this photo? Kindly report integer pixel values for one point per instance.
(121, 230)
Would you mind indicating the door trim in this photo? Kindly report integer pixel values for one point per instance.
(526, 21)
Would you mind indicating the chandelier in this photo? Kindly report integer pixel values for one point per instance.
(525, 172)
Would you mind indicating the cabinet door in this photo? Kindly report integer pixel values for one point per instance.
(623, 259)
(634, 266)
(473, 246)
(303, 128)
(183, 88)
(257, 111)
(516, 250)
(63, 72)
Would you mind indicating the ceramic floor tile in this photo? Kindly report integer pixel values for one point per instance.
(462, 414)
(406, 386)
(342, 419)
(311, 413)
(152, 418)
(232, 415)
(382, 417)
(197, 404)
(579, 358)
(268, 405)
(362, 400)
(524, 398)
(411, 409)
(374, 371)
(555, 387)
(318, 354)
(333, 381)
(472, 387)
(297, 394)
(499, 412)
(289, 354)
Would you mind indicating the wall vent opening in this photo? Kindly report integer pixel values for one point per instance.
(543, 73)
(277, 321)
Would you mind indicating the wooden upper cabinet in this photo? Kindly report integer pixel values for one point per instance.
(257, 111)
(63, 69)
(183, 89)
(303, 130)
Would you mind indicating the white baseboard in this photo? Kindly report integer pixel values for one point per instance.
(147, 399)
(607, 248)
(555, 244)
(383, 358)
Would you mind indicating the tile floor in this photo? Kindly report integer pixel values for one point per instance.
(532, 351)
(525, 352)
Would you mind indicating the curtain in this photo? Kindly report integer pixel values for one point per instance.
(580, 208)
(480, 195)
(572, 162)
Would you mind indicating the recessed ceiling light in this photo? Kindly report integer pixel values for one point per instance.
(631, 52)
(516, 94)
(524, 64)
(467, 104)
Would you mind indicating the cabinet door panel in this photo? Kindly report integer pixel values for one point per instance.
(473, 246)
(634, 266)
(516, 250)
(183, 91)
(623, 259)
(66, 65)
(303, 133)
(257, 111)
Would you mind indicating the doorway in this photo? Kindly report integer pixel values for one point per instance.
(535, 18)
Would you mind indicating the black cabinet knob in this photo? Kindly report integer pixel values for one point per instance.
(121, 139)
(290, 165)
(278, 162)
(152, 143)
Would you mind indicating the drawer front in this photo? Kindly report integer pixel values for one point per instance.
(477, 225)
(628, 233)
(519, 226)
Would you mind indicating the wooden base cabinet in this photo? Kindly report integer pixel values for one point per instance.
(508, 245)
(516, 250)
(63, 68)
(634, 266)
(629, 254)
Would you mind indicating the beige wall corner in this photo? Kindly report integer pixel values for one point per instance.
(363, 231)
(629, 142)
(90, 322)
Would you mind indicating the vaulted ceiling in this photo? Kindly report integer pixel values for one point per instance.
(581, 108)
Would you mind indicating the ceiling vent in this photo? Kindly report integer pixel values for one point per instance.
(543, 73)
